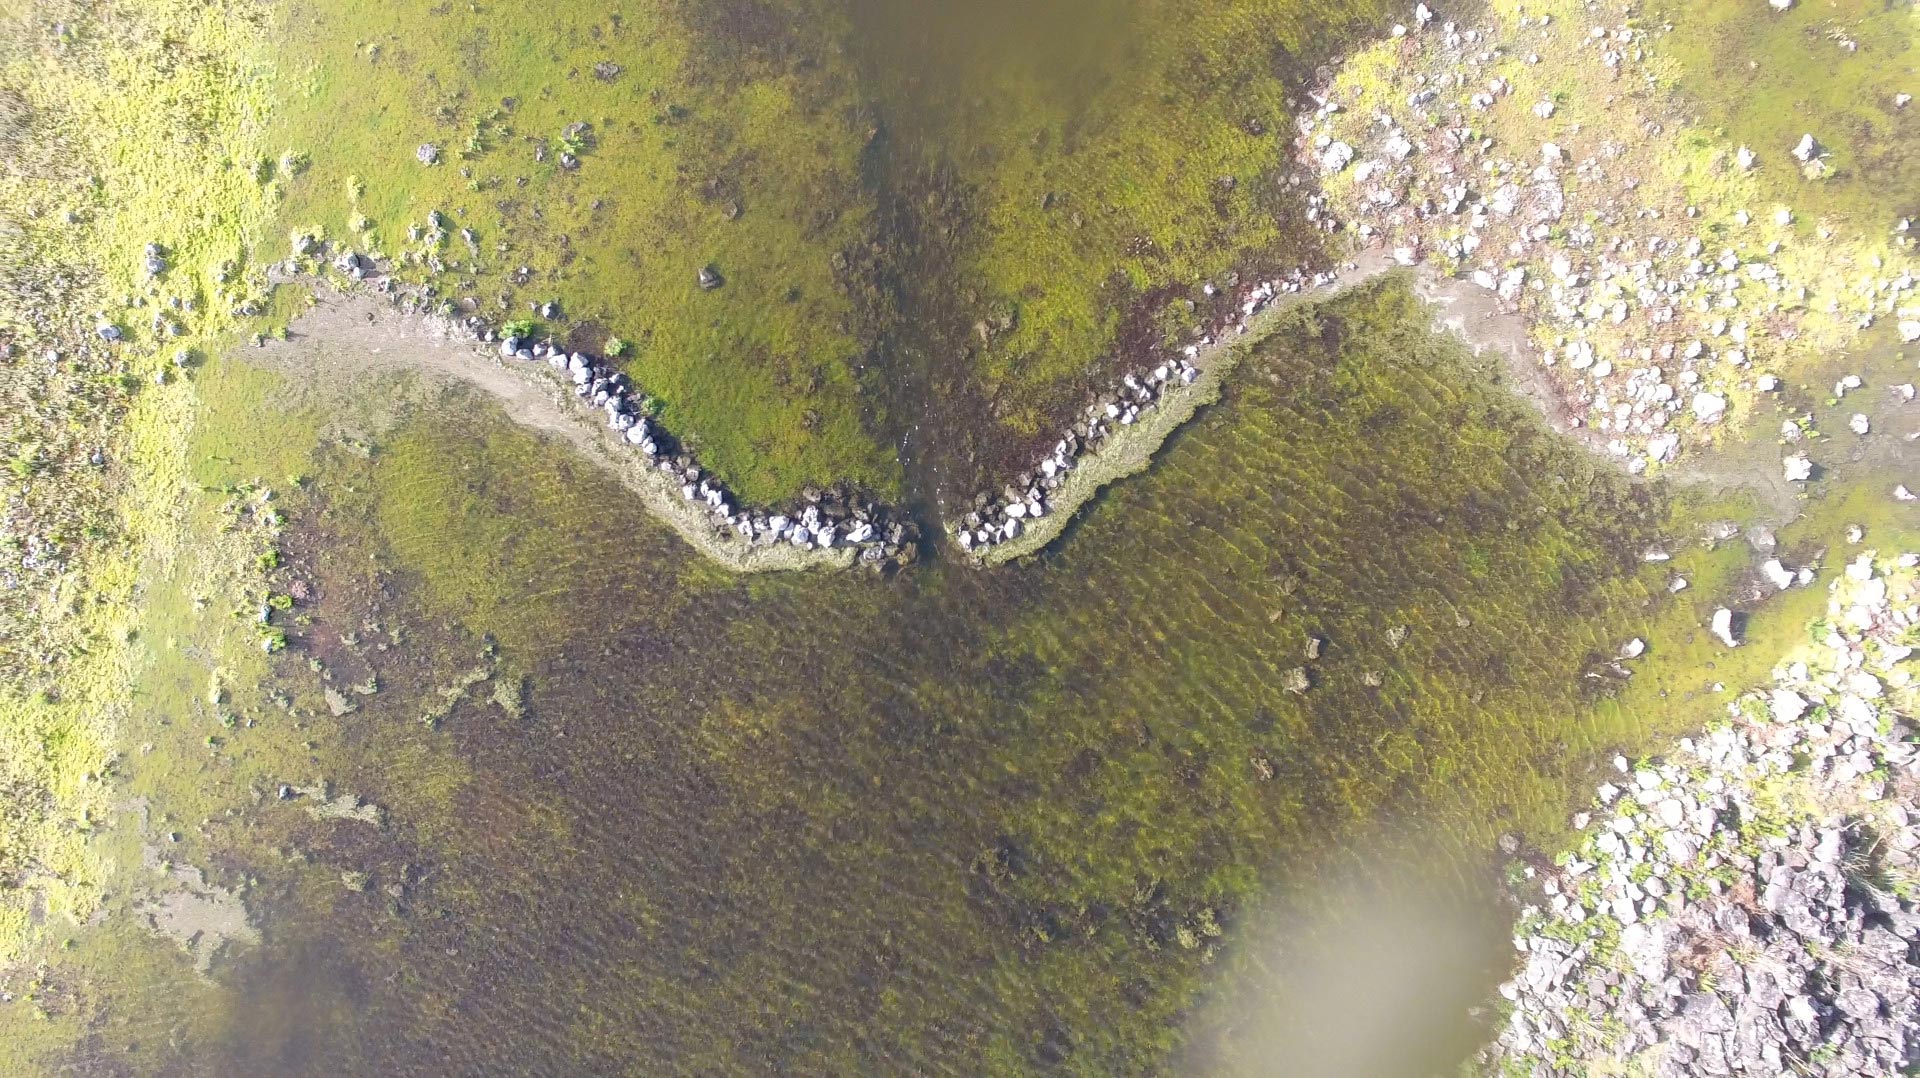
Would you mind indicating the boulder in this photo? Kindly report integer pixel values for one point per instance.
(1722, 627)
(1777, 574)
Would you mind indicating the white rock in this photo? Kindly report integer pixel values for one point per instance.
(1786, 705)
(1743, 157)
(1806, 149)
(1633, 649)
(1909, 330)
(1722, 627)
(1859, 424)
(1336, 156)
(1779, 5)
(1543, 110)
(1777, 574)
(1799, 468)
(1709, 407)
(1766, 383)
(1902, 494)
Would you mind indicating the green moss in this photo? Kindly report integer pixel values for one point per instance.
(1766, 78)
(758, 374)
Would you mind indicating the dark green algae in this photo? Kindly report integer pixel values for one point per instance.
(951, 822)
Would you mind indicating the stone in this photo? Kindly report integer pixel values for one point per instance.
(1336, 156)
(1806, 149)
(1744, 158)
(1709, 407)
(1909, 330)
(710, 278)
(1777, 574)
(427, 153)
(1859, 424)
(1786, 705)
(1798, 468)
(1722, 627)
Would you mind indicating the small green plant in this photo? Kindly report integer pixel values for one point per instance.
(26, 463)
(520, 327)
(617, 347)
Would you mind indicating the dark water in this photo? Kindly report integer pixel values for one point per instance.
(1062, 818)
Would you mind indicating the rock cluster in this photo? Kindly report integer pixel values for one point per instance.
(1652, 315)
(997, 519)
(1749, 904)
(823, 519)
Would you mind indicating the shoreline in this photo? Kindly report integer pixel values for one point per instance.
(1458, 308)
(397, 340)
(381, 334)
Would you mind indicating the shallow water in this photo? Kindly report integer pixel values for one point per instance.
(1056, 817)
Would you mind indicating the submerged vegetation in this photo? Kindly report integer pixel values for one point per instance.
(937, 800)
(385, 736)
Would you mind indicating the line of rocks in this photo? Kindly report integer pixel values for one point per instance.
(1747, 905)
(822, 519)
(997, 519)
(829, 520)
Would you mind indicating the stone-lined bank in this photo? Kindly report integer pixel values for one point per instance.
(1119, 432)
(834, 528)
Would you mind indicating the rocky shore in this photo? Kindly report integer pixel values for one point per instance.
(834, 528)
(1121, 429)
(1658, 314)
(1750, 903)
